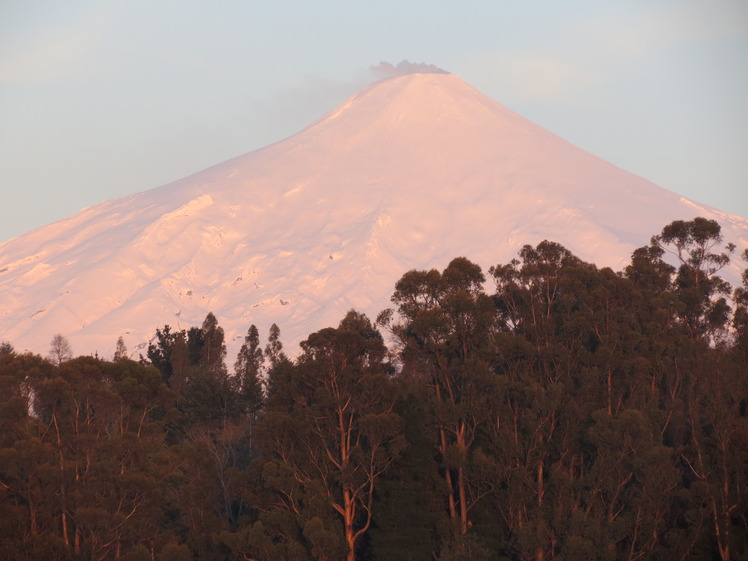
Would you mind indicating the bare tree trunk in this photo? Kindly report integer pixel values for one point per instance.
(463, 501)
(63, 516)
(32, 513)
(722, 534)
(461, 487)
(349, 513)
(541, 487)
(448, 478)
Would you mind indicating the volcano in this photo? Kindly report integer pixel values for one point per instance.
(407, 174)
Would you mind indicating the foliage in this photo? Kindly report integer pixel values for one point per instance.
(570, 412)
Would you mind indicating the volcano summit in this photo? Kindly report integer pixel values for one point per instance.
(408, 173)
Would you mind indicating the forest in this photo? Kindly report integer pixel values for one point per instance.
(545, 409)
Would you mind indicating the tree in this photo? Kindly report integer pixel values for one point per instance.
(693, 243)
(537, 353)
(6, 348)
(86, 457)
(182, 355)
(445, 325)
(410, 521)
(714, 442)
(29, 483)
(330, 426)
(60, 349)
(180, 365)
(648, 270)
(696, 244)
(213, 352)
(274, 348)
(159, 353)
(120, 351)
(248, 372)
(740, 320)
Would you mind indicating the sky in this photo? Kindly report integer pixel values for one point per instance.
(100, 99)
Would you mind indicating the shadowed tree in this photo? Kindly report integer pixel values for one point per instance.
(274, 348)
(90, 454)
(330, 431)
(159, 353)
(698, 246)
(248, 372)
(740, 320)
(60, 349)
(120, 351)
(537, 356)
(445, 324)
(213, 352)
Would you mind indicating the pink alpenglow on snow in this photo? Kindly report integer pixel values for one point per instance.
(407, 174)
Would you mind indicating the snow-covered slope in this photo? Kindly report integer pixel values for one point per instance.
(408, 173)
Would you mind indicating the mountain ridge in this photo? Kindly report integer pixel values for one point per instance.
(408, 173)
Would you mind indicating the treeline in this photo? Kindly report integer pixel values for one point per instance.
(571, 413)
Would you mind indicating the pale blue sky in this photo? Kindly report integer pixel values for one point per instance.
(100, 98)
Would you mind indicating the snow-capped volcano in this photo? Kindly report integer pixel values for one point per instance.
(408, 173)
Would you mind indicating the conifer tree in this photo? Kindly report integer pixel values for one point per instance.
(120, 351)
(248, 372)
(274, 348)
(159, 353)
(179, 363)
(213, 351)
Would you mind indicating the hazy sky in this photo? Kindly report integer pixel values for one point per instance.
(103, 98)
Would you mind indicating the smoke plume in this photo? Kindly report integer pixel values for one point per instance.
(388, 70)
